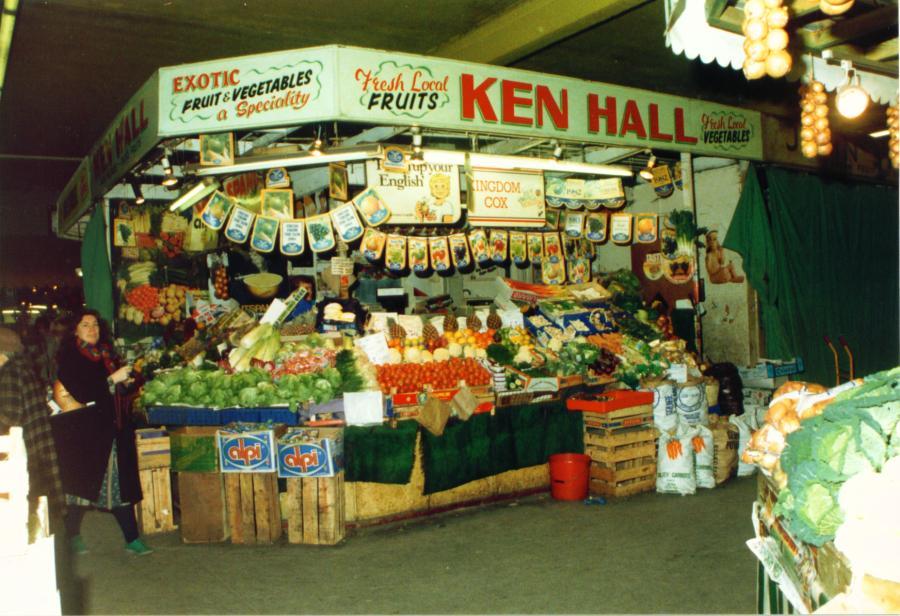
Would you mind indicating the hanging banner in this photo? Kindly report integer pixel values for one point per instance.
(216, 210)
(535, 247)
(373, 244)
(346, 223)
(264, 231)
(645, 228)
(503, 198)
(459, 250)
(608, 193)
(321, 235)
(596, 226)
(292, 238)
(440, 253)
(427, 193)
(277, 203)
(372, 207)
(478, 241)
(395, 253)
(676, 176)
(518, 251)
(579, 270)
(574, 224)
(653, 266)
(576, 193)
(278, 178)
(620, 228)
(553, 250)
(662, 181)
(239, 225)
(553, 272)
(417, 248)
(499, 242)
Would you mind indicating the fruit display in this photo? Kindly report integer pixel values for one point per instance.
(220, 282)
(411, 378)
(170, 244)
(893, 123)
(766, 40)
(815, 134)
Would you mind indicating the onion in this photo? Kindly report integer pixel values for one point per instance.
(755, 29)
(821, 111)
(825, 149)
(817, 86)
(807, 133)
(754, 9)
(777, 18)
(778, 63)
(823, 137)
(809, 149)
(820, 124)
(756, 50)
(754, 70)
(777, 39)
(807, 119)
(809, 107)
(895, 147)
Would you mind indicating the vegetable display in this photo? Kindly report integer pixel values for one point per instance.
(410, 378)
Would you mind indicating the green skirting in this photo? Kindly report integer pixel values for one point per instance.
(485, 445)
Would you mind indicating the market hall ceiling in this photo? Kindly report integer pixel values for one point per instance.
(74, 63)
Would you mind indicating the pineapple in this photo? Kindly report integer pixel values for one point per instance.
(429, 332)
(473, 322)
(396, 330)
(450, 323)
(494, 321)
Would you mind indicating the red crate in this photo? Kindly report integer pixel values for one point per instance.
(610, 401)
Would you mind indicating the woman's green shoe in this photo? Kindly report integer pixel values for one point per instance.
(78, 545)
(138, 548)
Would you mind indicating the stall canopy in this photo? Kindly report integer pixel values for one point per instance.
(823, 257)
(337, 83)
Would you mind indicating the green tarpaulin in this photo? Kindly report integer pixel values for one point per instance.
(823, 257)
(485, 445)
(96, 274)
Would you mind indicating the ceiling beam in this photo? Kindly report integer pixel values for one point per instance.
(850, 29)
(529, 26)
(883, 51)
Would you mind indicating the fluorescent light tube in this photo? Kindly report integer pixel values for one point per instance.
(880, 133)
(545, 164)
(197, 192)
(444, 157)
(298, 159)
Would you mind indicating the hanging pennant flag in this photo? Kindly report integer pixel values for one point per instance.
(216, 210)
(653, 266)
(597, 223)
(553, 250)
(608, 193)
(373, 244)
(579, 270)
(395, 253)
(371, 207)
(676, 176)
(517, 248)
(292, 239)
(239, 225)
(278, 178)
(662, 181)
(645, 226)
(321, 235)
(346, 223)
(459, 250)
(478, 242)
(265, 229)
(440, 254)
(499, 245)
(574, 225)
(277, 203)
(535, 247)
(620, 228)
(553, 272)
(417, 247)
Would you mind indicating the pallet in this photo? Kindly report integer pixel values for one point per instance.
(621, 418)
(153, 450)
(627, 469)
(315, 510)
(254, 513)
(627, 487)
(202, 499)
(155, 513)
(614, 446)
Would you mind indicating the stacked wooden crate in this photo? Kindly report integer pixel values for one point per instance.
(155, 512)
(622, 448)
(315, 510)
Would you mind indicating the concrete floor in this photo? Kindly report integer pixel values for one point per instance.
(648, 554)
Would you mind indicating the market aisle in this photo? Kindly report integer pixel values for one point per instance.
(652, 553)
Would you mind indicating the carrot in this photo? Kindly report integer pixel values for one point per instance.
(698, 444)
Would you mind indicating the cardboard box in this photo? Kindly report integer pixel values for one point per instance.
(757, 396)
(243, 449)
(311, 452)
(193, 449)
(769, 374)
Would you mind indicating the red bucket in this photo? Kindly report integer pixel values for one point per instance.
(569, 474)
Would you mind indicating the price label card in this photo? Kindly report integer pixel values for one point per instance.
(678, 373)
(341, 266)
(378, 321)
(375, 347)
(411, 323)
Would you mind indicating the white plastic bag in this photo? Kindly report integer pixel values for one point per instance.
(744, 433)
(704, 451)
(675, 462)
(664, 414)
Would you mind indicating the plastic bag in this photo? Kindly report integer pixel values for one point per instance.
(675, 463)
(702, 444)
(740, 422)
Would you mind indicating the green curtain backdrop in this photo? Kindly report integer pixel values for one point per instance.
(823, 257)
(96, 274)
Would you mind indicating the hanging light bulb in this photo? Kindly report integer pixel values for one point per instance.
(316, 148)
(416, 143)
(136, 189)
(647, 171)
(557, 150)
(851, 98)
(169, 178)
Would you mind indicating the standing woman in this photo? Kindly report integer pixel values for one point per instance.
(97, 450)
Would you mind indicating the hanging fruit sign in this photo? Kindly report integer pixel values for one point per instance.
(417, 248)
(216, 210)
(499, 244)
(346, 223)
(479, 242)
(321, 234)
(292, 237)
(596, 226)
(395, 255)
(440, 253)
(239, 225)
(506, 198)
(535, 247)
(373, 244)
(645, 225)
(459, 250)
(371, 207)
(264, 231)
(518, 247)
(427, 193)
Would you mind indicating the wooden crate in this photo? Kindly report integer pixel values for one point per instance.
(254, 513)
(612, 446)
(155, 513)
(316, 510)
(623, 460)
(621, 418)
(202, 499)
(153, 449)
(626, 487)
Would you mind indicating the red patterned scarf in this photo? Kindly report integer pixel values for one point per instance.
(98, 352)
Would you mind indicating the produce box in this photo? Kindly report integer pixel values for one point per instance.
(246, 448)
(193, 449)
(508, 290)
(768, 374)
(608, 402)
(311, 452)
(152, 446)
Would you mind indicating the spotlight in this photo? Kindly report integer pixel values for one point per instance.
(136, 189)
(557, 150)
(647, 171)
(169, 178)
(851, 99)
(316, 148)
